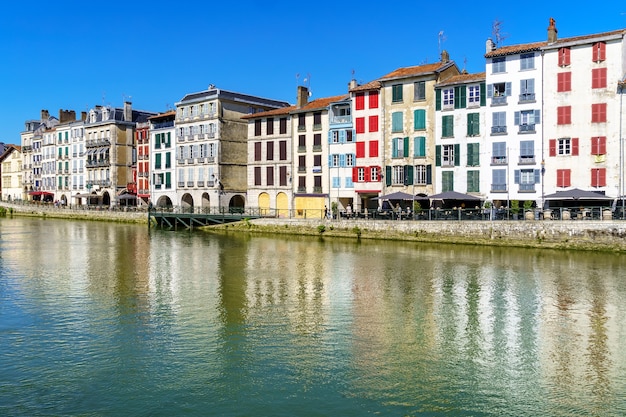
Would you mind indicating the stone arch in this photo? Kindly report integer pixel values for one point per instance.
(264, 203)
(237, 201)
(205, 202)
(282, 205)
(164, 201)
(106, 199)
(186, 203)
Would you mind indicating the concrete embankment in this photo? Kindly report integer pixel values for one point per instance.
(608, 235)
(78, 214)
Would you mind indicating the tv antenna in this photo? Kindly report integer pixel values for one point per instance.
(496, 32)
(441, 38)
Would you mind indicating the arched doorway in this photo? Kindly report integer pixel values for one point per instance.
(106, 199)
(282, 205)
(186, 203)
(264, 204)
(205, 203)
(236, 204)
(164, 202)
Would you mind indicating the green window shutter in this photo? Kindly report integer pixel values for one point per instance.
(387, 176)
(457, 155)
(483, 92)
(438, 155)
(447, 126)
(438, 99)
(157, 161)
(457, 98)
(462, 97)
(168, 180)
(473, 124)
(473, 181)
(168, 143)
(408, 174)
(419, 119)
(396, 122)
(406, 147)
(394, 148)
(419, 146)
(157, 141)
(168, 160)
(429, 174)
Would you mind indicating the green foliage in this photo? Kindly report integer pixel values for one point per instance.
(357, 231)
(417, 207)
(3, 211)
(514, 206)
(528, 204)
(321, 229)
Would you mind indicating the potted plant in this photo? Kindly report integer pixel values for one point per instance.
(515, 209)
(528, 212)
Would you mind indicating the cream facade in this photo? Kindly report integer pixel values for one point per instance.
(11, 170)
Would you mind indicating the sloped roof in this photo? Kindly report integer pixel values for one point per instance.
(372, 85)
(416, 70)
(275, 112)
(515, 49)
(464, 79)
(9, 147)
(320, 103)
(163, 115)
(559, 42)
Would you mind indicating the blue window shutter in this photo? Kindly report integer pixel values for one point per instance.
(537, 116)
(342, 136)
(537, 176)
(530, 86)
(330, 136)
(517, 117)
(330, 161)
(508, 89)
(490, 91)
(517, 176)
(342, 160)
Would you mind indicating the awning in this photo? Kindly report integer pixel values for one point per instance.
(395, 196)
(39, 193)
(577, 194)
(86, 196)
(454, 195)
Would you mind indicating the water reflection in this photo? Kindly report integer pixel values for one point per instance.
(164, 323)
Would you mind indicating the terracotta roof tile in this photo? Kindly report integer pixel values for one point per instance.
(161, 115)
(372, 85)
(320, 103)
(515, 49)
(415, 70)
(586, 37)
(464, 78)
(274, 112)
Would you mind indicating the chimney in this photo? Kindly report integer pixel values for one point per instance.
(490, 46)
(83, 115)
(552, 31)
(128, 111)
(445, 56)
(303, 96)
(66, 116)
(352, 84)
(45, 115)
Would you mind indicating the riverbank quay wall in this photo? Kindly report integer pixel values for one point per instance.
(604, 235)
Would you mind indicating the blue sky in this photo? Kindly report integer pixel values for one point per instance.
(74, 55)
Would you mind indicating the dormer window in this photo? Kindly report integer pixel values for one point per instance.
(92, 116)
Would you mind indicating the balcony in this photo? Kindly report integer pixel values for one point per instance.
(499, 160)
(527, 160)
(340, 119)
(527, 128)
(527, 188)
(317, 148)
(200, 183)
(301, 169)
(498, 101)
(317, 189)
(181, 184)
(210, 159)
(301, 149)
(301, 189)
(498, 188)
(498, 130)
(527, 97)
(302, 128)
(190, 183)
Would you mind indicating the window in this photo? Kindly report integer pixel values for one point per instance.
(283, 125)
(598, 145)
(564, 82)
(598, 113)
(499, 123)
(374, 174)
(419, 147)
(373, 123)
(373, 149)
(317, 142)
(599, 52)
(419, 119)
(419, 90)
(498, 65)
(397, 175)
(526, 179)
(336, 182)
(526, 120)
(527, 61)
(349, 135)
(282, 150)
(301, 143)
(349, 159)
(473, 181)
(563, 178)
(563, 146)
(498, 180)
(397, 122)
(270, 175)
(257, 175)
(359, 101)
(498, 153)
(301, 184)
(473, 98)
(282, 176)
(598, 177)
(301, 163)
(334, 136)
(447, 155)
(396, 93)
(334, 161)
(360, 174)
(270, 126)
(257, 151)
(527, 152)
(420, 176)
(373, 99)
(400, 147)
(527, 90)
(270, 150)
(564, 115)
(598, 78)
(564, 57)
(473, 154)
(447, 181)
(447, 126)
(498, 92)
(360, 149)
(317, 120)
(360, 125)
(317, 163)
(448, 98)
(301, 122)
(257, 127)
(473, 124)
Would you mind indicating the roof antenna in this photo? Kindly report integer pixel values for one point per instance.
(441, 39)
(496, 32)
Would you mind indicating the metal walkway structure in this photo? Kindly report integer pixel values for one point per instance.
(174, 221)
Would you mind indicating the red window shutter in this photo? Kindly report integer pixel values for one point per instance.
(598, 78)
(594, 145)
(360, 101)
(368, 174)
(360, 149)
(360, 125)
(373, 124)
(373, 99)
(552, 147)
(598, 113)
(559, 177)
(564, 81)
(602, 178)
(355, 174)
(574, 146)
(602, 145)
(564, 115)
(564, 57)
(373, 149)
(568, 179)
(599, 52)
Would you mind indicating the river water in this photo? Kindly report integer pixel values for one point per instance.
(104, 319)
